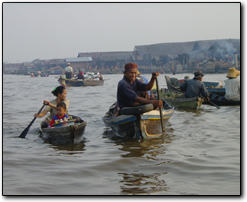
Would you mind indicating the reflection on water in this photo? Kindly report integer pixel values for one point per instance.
(71, 148)
(138, 183)
(138, 148)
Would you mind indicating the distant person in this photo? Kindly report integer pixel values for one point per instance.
(186, 78)
(129, 86)
(80, 75)
(69, 71)
(100, 76)
(195, 87)
(232, 85)
(61, 115)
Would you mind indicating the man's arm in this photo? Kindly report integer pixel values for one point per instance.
(149, 86)
(155, 103)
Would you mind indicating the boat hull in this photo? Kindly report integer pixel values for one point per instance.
(178, 100)
(64, 135)
(146, 125)
(79, 82)
(186, 103)
(220, 101)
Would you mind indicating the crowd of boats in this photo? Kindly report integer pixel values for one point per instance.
(140, 122)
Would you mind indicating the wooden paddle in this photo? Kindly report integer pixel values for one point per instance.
(161, 115)
(24, 133)
(211, 103)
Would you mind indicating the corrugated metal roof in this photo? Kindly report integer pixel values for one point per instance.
(184, 47)
(79, 59)
(114, 57)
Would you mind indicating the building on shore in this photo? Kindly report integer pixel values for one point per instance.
(206, 55)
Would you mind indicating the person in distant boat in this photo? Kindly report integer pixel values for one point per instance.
(60, 92)
(61, 115)
(195, 87)
(129, 86)
(69, 71)
(100, 76)
(232, 85)
(80, 75)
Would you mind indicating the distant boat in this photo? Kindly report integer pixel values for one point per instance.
(39, 74)
(79, 82)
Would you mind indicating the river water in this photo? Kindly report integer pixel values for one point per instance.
(199, 153)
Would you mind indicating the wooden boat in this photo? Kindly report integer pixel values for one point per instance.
(70, 133)
(178, 100)
(220, 101)
(174, 84)
(141, 122)
(79, 82)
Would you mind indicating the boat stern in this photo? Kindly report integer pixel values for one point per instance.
(150, 123)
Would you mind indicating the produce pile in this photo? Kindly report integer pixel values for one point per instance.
(172, 95)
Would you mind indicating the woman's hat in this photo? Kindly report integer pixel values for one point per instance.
(232, 73)
(198, 74)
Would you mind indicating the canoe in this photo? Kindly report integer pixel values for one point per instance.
(63, 134)
(178, 100)
(174, 84)
(220, 101)
(79, 82)
(141, 122)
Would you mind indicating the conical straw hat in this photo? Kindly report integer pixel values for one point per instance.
(233, 73)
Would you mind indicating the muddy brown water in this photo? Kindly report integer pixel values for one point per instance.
(199, 153)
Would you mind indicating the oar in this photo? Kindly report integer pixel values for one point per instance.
(211, 103)
(24, 133)
(161, 115)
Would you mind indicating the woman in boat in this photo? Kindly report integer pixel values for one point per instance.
(195, 87)
(232, 85)
(60, 92)
(129, 86)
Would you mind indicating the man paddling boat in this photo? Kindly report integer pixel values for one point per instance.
(129, 86)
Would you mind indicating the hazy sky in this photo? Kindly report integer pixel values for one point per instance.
(59, 30)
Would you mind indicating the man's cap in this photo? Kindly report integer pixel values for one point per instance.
(198, 74)
(130, 66)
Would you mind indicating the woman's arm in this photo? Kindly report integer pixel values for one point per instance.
(46, 102)
(43, 113)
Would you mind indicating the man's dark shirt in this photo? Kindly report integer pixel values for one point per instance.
(80, 76)
(194, 88)
(127, 92)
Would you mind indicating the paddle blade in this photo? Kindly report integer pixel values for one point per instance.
(24, 133)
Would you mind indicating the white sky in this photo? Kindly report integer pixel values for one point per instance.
(59, 30)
